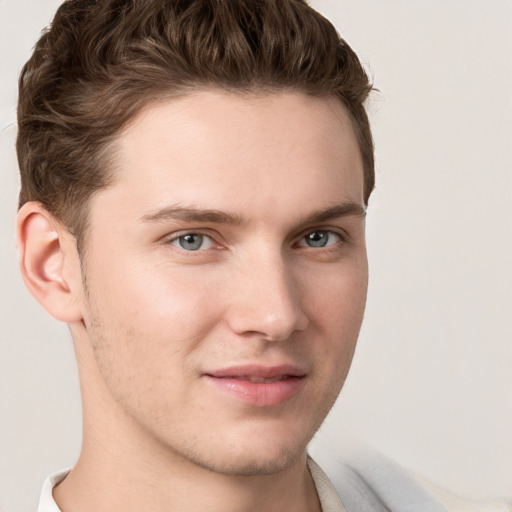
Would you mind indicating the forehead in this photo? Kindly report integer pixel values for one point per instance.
(225, 149)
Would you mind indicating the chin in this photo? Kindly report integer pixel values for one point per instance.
(245, 464)
(264, 453)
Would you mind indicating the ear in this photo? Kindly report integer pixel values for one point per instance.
(49, 262)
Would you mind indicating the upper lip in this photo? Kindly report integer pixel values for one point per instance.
(260, 371)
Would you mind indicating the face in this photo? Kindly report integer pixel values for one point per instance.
(226, 275)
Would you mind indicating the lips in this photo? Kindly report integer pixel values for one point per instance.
(253, 378)
(259, 385)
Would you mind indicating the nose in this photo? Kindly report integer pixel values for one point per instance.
(265, 300)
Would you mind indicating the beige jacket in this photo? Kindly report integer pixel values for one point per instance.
(369, 482)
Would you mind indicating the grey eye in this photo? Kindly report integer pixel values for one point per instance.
(317, 239)
(320, 239)
(191, 241)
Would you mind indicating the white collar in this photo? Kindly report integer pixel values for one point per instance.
(46, 501)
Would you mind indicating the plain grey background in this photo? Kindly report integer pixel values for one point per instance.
(431, 383)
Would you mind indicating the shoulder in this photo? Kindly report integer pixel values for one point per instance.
(453, 503)
(366, 480)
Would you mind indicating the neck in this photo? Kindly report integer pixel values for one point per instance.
(116, 490)
(122, 468)
(139, 481)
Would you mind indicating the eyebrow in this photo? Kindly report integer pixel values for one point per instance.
(193, 214)
(336, 211)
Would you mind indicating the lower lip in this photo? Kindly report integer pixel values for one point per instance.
(261, 394)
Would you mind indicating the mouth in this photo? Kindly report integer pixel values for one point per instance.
(253, 378)
(259, 385)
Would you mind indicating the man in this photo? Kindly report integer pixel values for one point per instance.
(195, 176)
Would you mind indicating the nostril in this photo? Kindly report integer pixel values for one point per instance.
(271, 327)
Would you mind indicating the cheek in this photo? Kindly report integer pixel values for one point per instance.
(337, 299)
(337, 310)
(163, 293)
(149, 327)
(153, 316)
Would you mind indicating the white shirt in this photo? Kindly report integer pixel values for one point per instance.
(46, 501)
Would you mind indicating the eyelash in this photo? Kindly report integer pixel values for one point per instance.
(176, 238)
(342, 239)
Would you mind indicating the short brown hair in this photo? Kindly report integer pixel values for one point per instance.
(101, 61)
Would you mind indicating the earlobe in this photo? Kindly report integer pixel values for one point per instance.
(49, 262)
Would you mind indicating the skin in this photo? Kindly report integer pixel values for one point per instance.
(152, 320)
